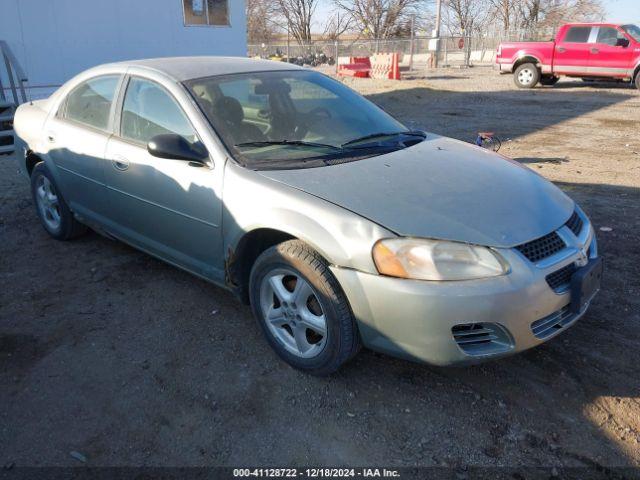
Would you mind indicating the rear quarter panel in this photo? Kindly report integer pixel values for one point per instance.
(28, 125)
(542, 52)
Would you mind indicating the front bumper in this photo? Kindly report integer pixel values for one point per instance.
(430, 321)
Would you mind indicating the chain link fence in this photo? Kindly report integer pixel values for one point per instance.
(419, 52)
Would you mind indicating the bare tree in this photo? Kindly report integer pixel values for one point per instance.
(382, 18)
(262, 21)
(298, 15)
(504, 11)
(337, 25)
(532, 14)
(466, 16)
(563, 11)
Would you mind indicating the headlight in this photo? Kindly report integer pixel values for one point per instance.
(424, 259)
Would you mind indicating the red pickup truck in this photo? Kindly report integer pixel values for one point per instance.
(584, 50)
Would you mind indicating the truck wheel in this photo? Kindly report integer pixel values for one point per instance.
(54, 213)
(301, 308)
(549, 80)
(526, 75)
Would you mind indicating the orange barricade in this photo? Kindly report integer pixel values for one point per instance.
(385, 65)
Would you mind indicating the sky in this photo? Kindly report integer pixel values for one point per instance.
(623, 10)
(627, 11)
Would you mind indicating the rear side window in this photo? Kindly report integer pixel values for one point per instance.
(90, 102)
(149, 110)
(578, 35)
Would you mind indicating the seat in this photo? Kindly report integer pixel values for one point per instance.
(229, 110)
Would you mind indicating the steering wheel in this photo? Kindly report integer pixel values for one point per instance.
(320, 112)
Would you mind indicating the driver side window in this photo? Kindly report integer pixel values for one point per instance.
(149, 110)
(609, 36)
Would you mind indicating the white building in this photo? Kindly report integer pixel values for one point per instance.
(52, 40)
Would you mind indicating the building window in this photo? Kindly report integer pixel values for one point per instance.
(206, 12)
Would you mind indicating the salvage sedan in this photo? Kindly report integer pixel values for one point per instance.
(336, 223)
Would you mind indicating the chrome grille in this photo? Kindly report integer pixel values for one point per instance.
(542, 248)
(575, 224)
(481, 338)
(548, 326)
(560, 279)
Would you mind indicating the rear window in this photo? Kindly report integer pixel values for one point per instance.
(578, 35)
(90, 102)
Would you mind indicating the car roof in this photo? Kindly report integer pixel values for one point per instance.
(188, 68)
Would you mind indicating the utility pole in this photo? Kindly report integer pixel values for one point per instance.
(413, 36)
(288, 43)
(436, 31)
(337, 42)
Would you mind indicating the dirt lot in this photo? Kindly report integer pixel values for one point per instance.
(110, 353)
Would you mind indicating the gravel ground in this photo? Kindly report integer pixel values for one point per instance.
(114, 355)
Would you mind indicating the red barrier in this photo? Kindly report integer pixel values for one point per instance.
(357, 67)
(385, 65)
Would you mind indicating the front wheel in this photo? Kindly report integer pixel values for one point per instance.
(301, 308)
(638, 80)
(526, 75)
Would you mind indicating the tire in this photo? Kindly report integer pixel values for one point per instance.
(526, 75)
(316, 335)
(53, 211)
(637, 80)
(549, 80)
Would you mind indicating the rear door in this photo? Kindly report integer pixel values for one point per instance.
(573, 51)
(611, 55)
(77, 136)
(170, 208)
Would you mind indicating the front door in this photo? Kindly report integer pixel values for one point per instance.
(77, 138)
(170, 208)
(573, 52)
(612, 54)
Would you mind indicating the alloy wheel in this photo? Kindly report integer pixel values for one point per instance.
(48, 203)
(292, 312)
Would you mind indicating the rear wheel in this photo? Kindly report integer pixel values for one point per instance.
(301, 308)
(55, 215)
(549, 80)
(526, 75)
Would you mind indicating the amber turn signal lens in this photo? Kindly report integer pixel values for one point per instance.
(387, 262)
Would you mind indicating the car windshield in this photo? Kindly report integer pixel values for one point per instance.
(632, 30)
(296, 119)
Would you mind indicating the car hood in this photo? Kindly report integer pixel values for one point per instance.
(441, 188)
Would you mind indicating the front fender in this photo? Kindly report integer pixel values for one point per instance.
(252, 201)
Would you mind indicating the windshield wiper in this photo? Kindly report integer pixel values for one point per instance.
(411, 133)
(286, 142)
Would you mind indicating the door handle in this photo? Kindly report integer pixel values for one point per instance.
(120, 163)
(561, 49)
(595, 50)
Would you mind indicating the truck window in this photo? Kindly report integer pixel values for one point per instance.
(578, 35)
(609, 36)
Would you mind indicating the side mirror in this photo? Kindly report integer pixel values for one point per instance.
(622, 42)
(175, 147)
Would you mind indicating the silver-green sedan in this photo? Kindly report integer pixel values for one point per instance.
(340, 226)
